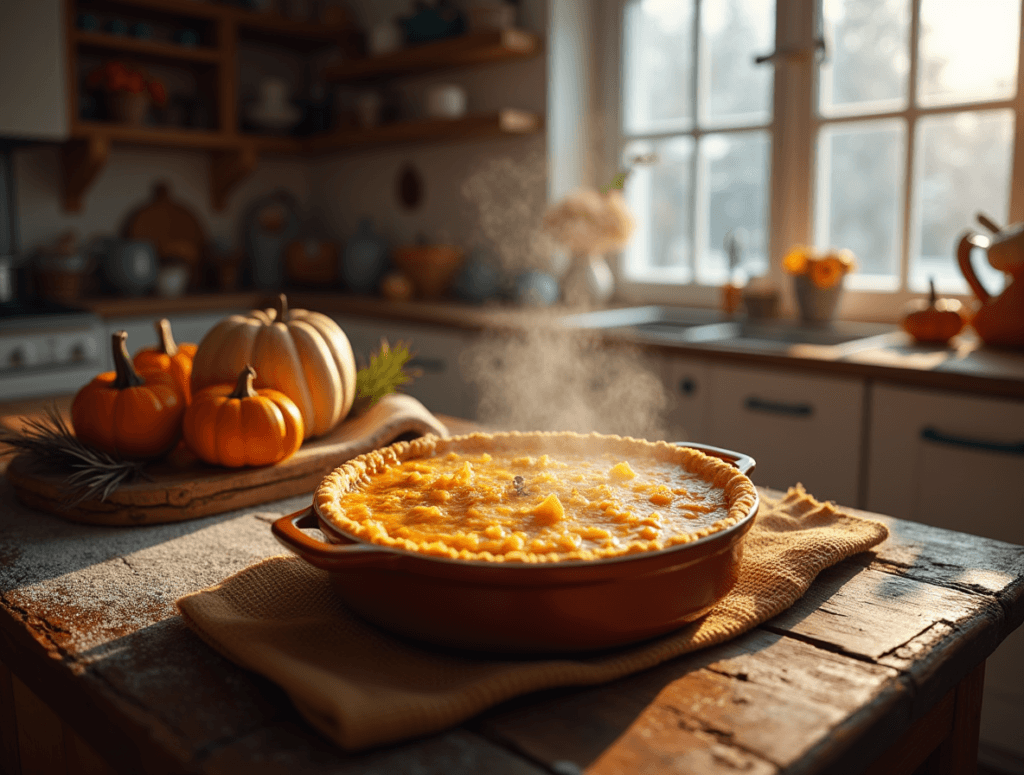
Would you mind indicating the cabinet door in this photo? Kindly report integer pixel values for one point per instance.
(798, 427)
(956, 461)
(949, 460)
(687, 383)
(439, 386)
(33, 95)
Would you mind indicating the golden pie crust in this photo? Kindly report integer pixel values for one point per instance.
(533, 497)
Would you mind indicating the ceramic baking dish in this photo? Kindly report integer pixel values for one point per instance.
(525, 608)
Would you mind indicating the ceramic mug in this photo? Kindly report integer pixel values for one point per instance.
(446, 100)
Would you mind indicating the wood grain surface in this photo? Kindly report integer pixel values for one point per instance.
(193, 489)
(876, 665)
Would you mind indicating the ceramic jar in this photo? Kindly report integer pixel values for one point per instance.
(128, 267)
(365, 260)
(816, 305)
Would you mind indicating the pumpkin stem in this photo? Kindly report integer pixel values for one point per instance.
(282, 307)
(163, 332)
(244, 387)
(127, 376)
(932, 296)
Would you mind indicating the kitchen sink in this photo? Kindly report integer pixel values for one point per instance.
(709, 328)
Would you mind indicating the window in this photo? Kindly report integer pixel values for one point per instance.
(889, 144)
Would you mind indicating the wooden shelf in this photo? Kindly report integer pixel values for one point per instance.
(480, 126)
(101, 41)
(233, 156)
(277, 144)
(464, 51)
(181, 9)
(274, 27)
(167, 137)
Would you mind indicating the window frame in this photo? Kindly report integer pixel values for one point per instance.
(793, 130)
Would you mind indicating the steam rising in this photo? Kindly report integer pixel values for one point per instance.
(548, 378)
(558, 380)
(510, 198)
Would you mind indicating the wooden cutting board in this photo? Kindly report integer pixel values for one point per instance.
(173, 229)
(196, 490)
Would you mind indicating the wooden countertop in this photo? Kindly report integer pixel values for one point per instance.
(97, 667)
(966, 366)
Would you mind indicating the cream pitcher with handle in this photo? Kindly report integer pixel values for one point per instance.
(1000, 319)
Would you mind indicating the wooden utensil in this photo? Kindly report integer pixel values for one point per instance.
(173, 229)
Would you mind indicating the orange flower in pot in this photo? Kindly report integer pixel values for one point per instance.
(127, 412)
(236, 425)
(175, 359)
(128, 91)
(818, 280)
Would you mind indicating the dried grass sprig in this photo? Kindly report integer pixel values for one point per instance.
(48, 441)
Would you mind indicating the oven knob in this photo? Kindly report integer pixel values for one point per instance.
(17, 358)
(78, 353)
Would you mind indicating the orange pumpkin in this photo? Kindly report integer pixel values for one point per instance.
(175, 359)
(935, 321)
(303, 354)
(238, 426)
(127, 412)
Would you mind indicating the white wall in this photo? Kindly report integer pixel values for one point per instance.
(126, 183)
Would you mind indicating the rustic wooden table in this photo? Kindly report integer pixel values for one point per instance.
(877, 666)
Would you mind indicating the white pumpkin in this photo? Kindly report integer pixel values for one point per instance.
(303, 354)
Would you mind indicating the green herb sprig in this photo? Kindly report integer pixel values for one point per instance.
(386, 372)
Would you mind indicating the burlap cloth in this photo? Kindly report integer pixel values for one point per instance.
(362, 687)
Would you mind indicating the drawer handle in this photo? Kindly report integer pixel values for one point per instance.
(1007, 448)
(428, 365)
(755, 404)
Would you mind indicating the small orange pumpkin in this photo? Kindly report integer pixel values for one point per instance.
(241, 426)
(935, 321)
(175, 359)
(127, 412)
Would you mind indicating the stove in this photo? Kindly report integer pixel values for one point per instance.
(47, 348)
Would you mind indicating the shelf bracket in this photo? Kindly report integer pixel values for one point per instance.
(227, 170)
(81, 161)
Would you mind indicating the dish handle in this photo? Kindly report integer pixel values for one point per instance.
(329, 556)
(744, 463)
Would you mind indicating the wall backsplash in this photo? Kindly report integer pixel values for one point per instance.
(126, 183)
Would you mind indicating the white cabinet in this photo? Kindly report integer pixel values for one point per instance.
(687, 382)
(956, 461)
(33, 94)
(440, 386)
(948, 459)
(798, 427)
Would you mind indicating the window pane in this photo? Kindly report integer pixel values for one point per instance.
(733, 89)
(733, 197)
(968, 50)
(962, 167)
(857, 201)
(869, 56)
(660, 198)
(657, 62)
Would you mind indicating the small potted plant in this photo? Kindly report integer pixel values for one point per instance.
(128, 91)
(818, 280)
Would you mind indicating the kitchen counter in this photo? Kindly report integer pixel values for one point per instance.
(881, 661)
(966, 366)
